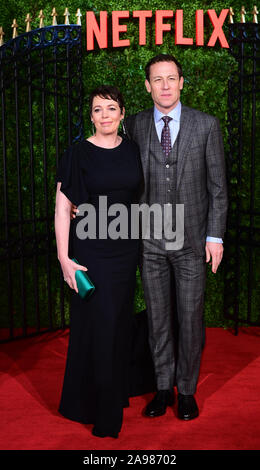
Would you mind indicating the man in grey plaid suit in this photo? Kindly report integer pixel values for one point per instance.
(183, 163)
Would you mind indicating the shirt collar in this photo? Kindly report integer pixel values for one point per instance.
(175, 113)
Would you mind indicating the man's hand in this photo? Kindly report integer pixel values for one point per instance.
(214, 251)
(73, 211)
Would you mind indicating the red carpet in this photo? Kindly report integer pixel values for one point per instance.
(228, 397)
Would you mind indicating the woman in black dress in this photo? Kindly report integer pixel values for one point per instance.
(95, 387)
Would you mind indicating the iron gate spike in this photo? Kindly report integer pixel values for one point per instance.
(1, 36)
(41, 16)
(78, 15)
(231, 14)
(243, 13)
(54, 17)
(28, 21)
(255, 13)
(66, 14)
(15, 26)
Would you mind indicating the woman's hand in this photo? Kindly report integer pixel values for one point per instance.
(73, 211)
(69, 268)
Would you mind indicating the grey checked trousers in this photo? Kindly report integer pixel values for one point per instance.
(160, 268)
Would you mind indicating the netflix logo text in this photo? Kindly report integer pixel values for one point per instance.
(99, 29)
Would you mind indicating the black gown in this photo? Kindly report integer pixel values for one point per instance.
(96, 381)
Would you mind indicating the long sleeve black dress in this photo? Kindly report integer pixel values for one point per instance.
(96, 382)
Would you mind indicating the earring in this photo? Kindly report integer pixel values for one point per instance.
(124, 129)
(93, 128)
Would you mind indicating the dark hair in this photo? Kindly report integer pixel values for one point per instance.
(162, 58)
(108, 92)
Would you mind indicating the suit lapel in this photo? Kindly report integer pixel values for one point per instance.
(143, 132)
(187, 126)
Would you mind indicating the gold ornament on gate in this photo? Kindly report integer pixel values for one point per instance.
(255, 13)
(66, 14)
(231, 14)
(78, 15)
(41, 16)
(1, 36)
(54, 17)
(243, 15)
(15, 26)
(28, 21)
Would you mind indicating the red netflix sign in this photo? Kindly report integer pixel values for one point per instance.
(99, 31)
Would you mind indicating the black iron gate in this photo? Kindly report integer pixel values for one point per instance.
(41, 114)
(242, 270)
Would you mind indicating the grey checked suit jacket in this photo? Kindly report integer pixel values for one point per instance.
(201, 176)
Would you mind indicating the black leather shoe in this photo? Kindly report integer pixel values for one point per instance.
(187, 407)
(157, 407)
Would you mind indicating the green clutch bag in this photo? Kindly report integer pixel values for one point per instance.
(84, 284)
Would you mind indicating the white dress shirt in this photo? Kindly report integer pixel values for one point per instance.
(174, 126)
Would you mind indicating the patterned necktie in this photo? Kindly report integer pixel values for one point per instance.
(166, 136)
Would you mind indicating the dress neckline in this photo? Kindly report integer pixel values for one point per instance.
(104, 148)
